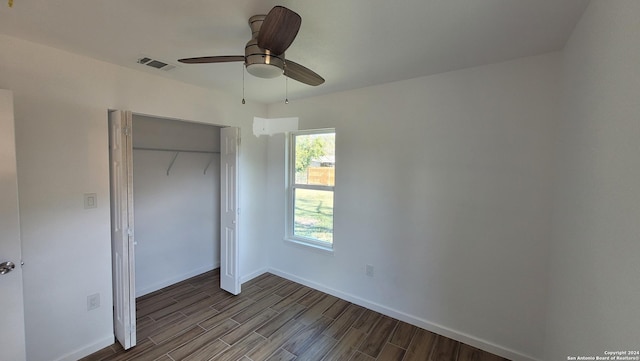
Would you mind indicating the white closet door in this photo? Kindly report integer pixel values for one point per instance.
(229, 252)
(122, 244)
(12, 341)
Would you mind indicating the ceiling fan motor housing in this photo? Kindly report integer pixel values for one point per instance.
(261, 62)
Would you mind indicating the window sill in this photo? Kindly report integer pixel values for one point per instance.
(309, 246)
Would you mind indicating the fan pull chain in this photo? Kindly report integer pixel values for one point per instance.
(286, 90)
(243, 102)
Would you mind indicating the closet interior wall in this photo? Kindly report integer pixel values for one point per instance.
(176, 195)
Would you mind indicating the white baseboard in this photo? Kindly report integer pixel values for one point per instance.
(427, 325)
(252, 275)
(176, 279)
(88, 350)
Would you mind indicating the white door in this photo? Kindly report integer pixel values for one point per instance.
(12, 343)
(122, 245)
(229, 252)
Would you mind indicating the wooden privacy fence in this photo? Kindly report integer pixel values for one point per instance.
(321, 175)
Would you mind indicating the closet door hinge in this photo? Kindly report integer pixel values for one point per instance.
(126, 131)
(130, 237)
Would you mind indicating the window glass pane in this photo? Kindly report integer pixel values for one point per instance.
(315, 159)
(313, 214)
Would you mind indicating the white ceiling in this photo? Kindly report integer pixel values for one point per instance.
(351, 43)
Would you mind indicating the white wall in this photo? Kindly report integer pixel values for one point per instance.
(61, 103)
(594, 273)
(443, 184)
(177, 218)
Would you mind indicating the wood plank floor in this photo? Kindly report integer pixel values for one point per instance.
(273, 319)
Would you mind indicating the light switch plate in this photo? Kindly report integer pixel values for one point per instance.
(90, 200)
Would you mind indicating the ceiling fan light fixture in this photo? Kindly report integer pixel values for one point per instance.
(262, 64)
(267, 71)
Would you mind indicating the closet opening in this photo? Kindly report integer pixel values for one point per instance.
(176, 201)
(173, 197)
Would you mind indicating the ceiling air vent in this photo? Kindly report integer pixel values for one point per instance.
(155, 64)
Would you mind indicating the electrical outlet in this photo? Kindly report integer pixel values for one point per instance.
(93, 301)
(368, 269)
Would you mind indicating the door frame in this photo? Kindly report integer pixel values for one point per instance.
(12, 341)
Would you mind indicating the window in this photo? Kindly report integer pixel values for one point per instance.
(311, 182)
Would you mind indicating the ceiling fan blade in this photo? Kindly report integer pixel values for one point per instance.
(279, 29)
(302, 74)
(212, 59)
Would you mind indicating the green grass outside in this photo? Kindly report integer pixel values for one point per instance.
(313, 215)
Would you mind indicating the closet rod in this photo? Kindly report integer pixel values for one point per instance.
(176, 150)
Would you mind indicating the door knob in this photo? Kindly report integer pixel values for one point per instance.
(6, 267)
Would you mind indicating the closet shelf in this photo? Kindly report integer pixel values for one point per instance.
(178, 151)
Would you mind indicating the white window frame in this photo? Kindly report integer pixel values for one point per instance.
(292, 186)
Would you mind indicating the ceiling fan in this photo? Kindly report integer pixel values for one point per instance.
(263, 55)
